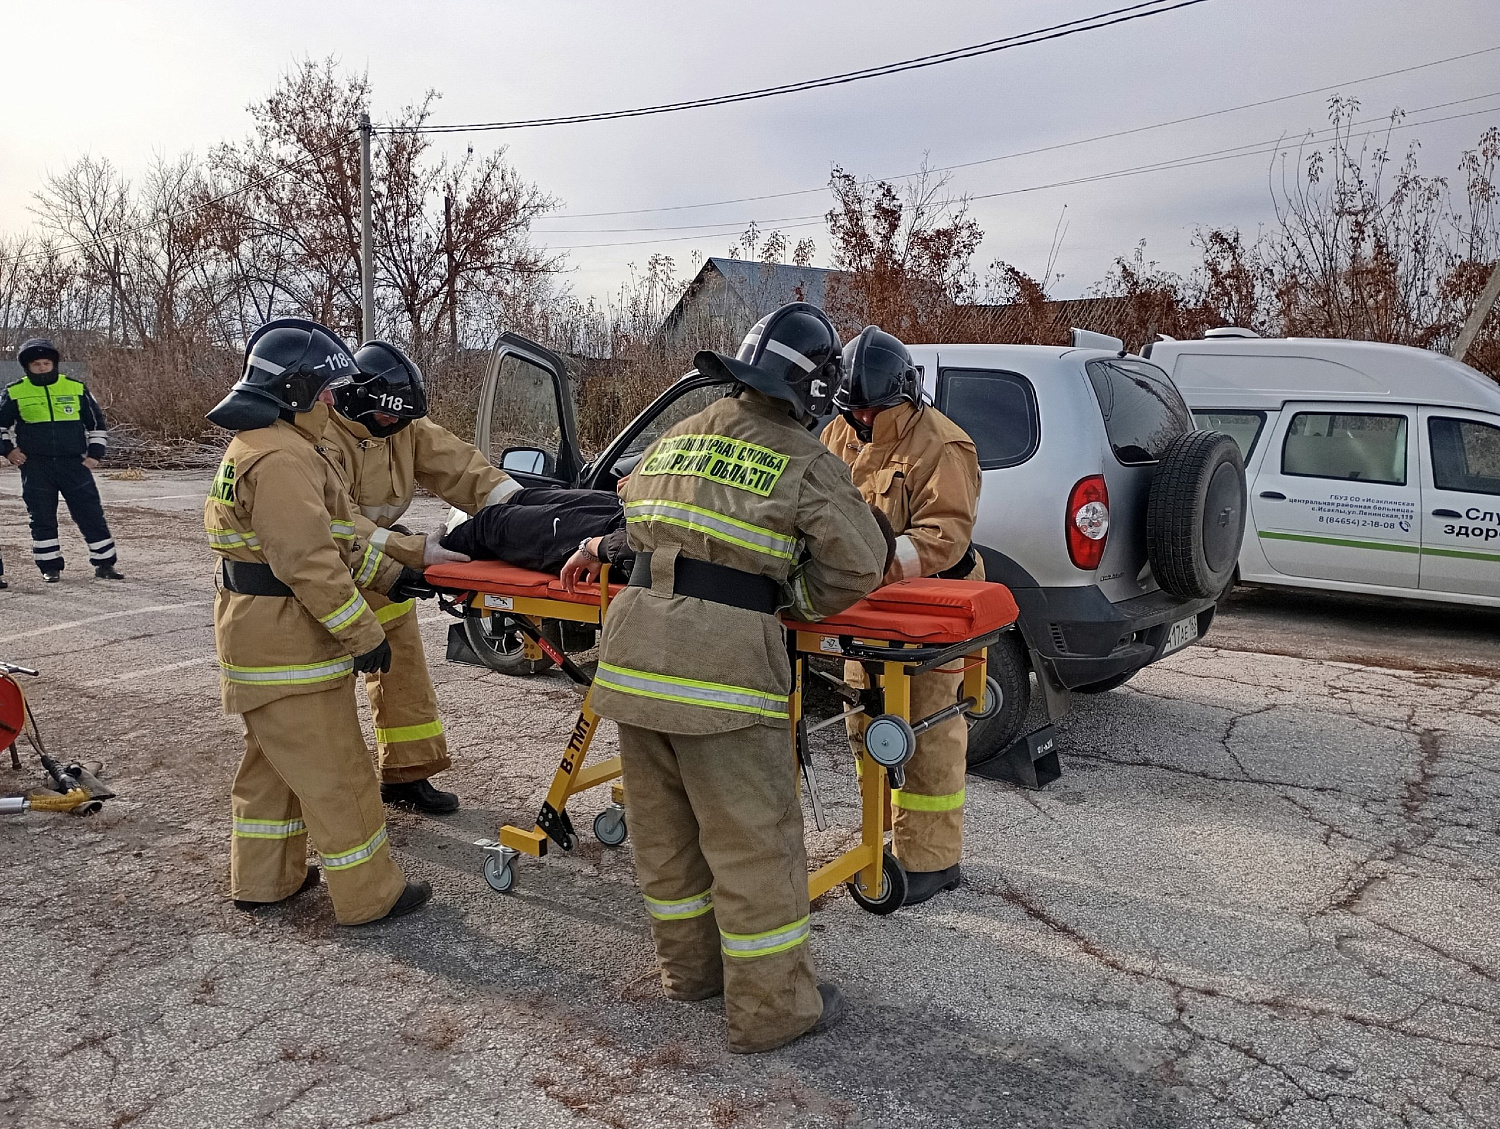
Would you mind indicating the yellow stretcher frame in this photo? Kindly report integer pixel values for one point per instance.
(862, 866)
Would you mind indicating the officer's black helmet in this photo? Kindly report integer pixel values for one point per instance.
(387, 383)
(36, 348)
(287, 363)
(791, 354)
(878, 373)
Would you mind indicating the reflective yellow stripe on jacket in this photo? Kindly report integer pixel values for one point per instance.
(233, 539)
(369, 565)
(712, 524)
(345, 614)
(716, 695)
(287, 675)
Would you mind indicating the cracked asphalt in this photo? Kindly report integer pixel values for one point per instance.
(1263, 893)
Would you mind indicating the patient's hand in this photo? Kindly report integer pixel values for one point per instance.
(433, 553)
(580, 567)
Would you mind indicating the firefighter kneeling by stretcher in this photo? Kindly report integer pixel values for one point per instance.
(730, 509)
(920, 469)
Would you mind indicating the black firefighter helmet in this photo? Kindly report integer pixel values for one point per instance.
(791, 354)
(388, 383)
(878, 372)
(287, 363)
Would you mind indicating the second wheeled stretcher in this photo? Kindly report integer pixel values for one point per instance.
(896, 632)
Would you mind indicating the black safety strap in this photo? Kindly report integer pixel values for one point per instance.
(717, 583)
(250, 578)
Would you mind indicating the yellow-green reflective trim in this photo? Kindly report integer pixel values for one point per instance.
(369, 565)
(394, 611)
(294, 675)
(690, 691)
(269, 828)
(233, 539)
(343, 530)
(915, 801)
(680, 909)
(362, 853)
(345, 614)
(711, 523)
(409, 732)
(750, 945)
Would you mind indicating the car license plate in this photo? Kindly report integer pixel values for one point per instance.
(1183, 632)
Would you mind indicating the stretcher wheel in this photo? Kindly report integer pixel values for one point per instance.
(994, 698)
(609, 826)
(892, 888)
(890, 740)
(500, 872)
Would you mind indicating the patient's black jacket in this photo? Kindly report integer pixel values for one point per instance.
(539, 527)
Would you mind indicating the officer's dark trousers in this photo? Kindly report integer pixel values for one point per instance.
(42, 480)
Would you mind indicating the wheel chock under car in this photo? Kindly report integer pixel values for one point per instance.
(1030, 762)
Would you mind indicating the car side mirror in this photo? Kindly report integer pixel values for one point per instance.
(528, 460)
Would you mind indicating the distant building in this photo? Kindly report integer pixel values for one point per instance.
(728, 296)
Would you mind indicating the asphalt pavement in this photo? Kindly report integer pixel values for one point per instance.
(1263, 893)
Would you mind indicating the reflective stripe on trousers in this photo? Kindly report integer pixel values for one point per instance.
(750, 945)
(394, 611)
(915, 801)
(409, 732)
(715, 695)
(680, 909)
(269, 828)
(713, 524)
(362, 853)
(287, 675)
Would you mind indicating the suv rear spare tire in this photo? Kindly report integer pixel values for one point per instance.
(1195, 514)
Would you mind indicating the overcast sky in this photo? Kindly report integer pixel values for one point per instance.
(124, 80)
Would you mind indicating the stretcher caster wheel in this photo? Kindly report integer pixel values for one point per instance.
(500, 872)
(890, 741)
(609, 826)
(892, 888)
(994, 698)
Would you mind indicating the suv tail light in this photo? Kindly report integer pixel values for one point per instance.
(1087, 521)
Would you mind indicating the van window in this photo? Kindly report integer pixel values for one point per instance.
(1242, 427)
(1465, 455)
(1143, 411)
(997, 409)
(1348, 445)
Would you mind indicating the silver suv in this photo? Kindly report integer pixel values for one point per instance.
(1115, 525)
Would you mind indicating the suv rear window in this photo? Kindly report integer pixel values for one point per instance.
(997, 409)
(1143, 411)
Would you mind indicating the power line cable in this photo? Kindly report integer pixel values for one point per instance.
(1114, 16)
(1047, 148)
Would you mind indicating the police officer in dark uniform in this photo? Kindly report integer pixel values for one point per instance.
(52, 428)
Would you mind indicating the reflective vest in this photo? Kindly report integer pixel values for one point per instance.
(58, 402)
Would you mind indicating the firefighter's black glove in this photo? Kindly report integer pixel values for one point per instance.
(411, 585)
(376, 661)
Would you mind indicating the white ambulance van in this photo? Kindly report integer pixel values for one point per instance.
(1371, 468)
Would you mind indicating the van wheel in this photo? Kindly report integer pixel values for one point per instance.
(1104, 685)
(1195, 514)
(1010, 670)
(502, 647)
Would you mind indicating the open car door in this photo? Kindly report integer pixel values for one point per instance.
(687, 396)
(525, 423)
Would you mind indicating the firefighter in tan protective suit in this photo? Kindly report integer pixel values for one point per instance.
(920, 469)
(291, 627)
(383, 441)
(728, 510)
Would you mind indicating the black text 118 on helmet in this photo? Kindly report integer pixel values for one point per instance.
(792, 354)
(287, 363)
(387, 392)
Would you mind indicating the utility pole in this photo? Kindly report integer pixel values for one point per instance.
(452, 278)
(366, 236)
(1477, 315)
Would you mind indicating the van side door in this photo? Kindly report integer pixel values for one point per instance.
(1337, 496)
(525, 423)
(1460, 502)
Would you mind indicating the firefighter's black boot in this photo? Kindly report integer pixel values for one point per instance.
(923, 884)
(314, 876)
(420, 794)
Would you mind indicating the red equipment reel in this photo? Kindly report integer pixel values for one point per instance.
(12, 712)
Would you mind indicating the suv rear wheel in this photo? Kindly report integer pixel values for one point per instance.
(1011, 670)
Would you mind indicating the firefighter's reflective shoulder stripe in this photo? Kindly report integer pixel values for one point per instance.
(749, 945)
(718, 458)
(713, 524)
(369, 565)
(222, 490)
(269, 828)
(345, 614)
(915, 801)
(295, 675)
(341, 530)
(680, 909)
(394, 611)
(233, 539)
(715, 695)
(362, 853)
(410, 732)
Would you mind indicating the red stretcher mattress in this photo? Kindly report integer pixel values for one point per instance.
(909, 611)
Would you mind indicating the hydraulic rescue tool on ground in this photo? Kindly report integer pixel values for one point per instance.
(73, 787)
